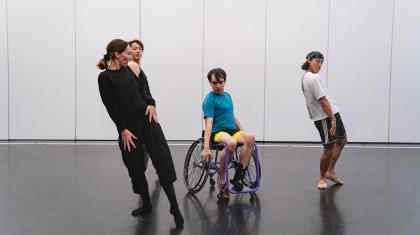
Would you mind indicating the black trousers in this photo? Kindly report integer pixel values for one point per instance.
(151, 136)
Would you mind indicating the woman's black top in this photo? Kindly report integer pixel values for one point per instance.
(125, 96)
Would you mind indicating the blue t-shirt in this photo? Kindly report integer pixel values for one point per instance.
(220, 108)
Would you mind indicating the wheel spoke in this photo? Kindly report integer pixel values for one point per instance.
(195, 169)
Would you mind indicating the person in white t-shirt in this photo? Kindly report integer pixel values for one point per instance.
(324, 112)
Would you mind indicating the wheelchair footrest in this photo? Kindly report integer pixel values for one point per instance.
(244, 190)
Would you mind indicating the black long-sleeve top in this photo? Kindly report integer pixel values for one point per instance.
(125, 96)
(143, 78)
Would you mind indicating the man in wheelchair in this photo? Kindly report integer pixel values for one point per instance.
(222, 126)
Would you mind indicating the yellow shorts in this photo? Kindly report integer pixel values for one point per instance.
(235, 134)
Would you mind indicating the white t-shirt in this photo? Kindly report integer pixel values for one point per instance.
(313, 89)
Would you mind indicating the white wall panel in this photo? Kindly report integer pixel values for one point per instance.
(172, 33)
(234, 39)
(97, 23)
(4, 100)
(359, 66)
(294, 28)
(42, 73)
(48, 52)
(405, 95)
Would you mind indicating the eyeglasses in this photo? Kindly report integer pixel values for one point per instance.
(218, 82)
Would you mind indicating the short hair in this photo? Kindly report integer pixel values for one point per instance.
(218, 73)
(136, 41)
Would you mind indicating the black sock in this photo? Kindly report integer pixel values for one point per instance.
(170, 193)
(146, 208)
(145, 196)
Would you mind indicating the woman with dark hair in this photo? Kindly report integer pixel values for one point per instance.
(133, 111)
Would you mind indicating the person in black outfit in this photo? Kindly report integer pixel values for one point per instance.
(132, 108)
(137, 49)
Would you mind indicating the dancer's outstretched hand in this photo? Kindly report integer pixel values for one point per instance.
(127, 136)
(152, 113)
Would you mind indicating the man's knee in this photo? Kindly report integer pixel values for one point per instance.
(343, 142)
(231, 143)
(250, 139)
(328, 149)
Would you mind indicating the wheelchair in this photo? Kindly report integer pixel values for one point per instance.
(197, 170)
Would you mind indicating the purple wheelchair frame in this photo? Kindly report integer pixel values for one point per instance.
(214, 168)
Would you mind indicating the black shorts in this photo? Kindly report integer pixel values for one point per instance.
(324, 127)
(231, 132)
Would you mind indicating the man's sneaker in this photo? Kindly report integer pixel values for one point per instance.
(238, 178)
(223, 194)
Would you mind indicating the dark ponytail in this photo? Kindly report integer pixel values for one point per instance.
(102, 64)
(116, 45)
(305, 65)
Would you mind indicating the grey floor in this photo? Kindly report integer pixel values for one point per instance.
(84, 188)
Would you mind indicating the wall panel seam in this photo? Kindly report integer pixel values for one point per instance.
(8, 69)
(265, 68)
(390, 72)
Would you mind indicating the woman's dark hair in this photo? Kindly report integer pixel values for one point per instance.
(218, 73)
(114, 46)
(312, 55)
(136, 41)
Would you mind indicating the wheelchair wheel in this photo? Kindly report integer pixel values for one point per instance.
(196, 170)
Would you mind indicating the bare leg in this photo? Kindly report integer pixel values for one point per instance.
(231, 142)
(248, 140)
(338, 148)
(222, 165)
(325, 160)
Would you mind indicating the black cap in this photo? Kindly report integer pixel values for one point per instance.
(314, 55)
